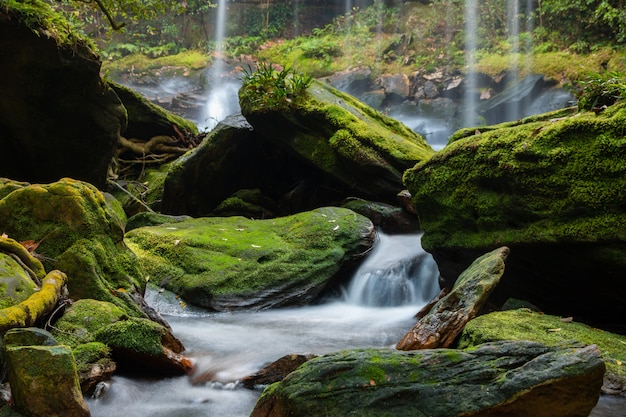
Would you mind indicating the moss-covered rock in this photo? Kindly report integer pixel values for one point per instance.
(15, 283)
(513, 378)
(553, 192)
(389, 218)
(364, 151)
(79, 234)
(58, 118)
(524, 324)
(234, 262)
(48, 370)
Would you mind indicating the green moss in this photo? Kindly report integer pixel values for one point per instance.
(40, 18)
(524, 324)
(15, 284)
(179, 64)
(538, 181)
(88, 354)
(83, 318)
(134, 334)
(235, 255)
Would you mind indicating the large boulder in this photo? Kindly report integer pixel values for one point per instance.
(514, 378)
(524, 324)
(551, 191)
(57, 117)
(362, 150)
(42, 375)
(234, 262)
(78, 232)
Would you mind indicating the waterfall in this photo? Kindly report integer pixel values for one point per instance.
(222, 99)
(471, 34)
(398, 272)
(514, 111)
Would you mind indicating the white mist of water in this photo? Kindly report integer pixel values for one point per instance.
(471, 34)
(222, 98)
(514, 111)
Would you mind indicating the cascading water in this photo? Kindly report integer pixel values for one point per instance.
(397, 273)
(229, 346)
(222, 99)
(471, 94)
(514, 110)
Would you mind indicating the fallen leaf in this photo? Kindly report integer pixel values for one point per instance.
(618, 362)
(176, 242)
(255, 246)
(558, 329)
(567, 319)
(336, 227)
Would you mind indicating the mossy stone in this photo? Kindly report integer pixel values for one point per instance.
(234, 262)
(15, 283)
(524, 324)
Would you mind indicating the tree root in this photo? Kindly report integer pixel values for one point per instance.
(29, 311)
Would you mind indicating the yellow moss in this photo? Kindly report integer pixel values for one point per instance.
(27, 312)
(9, 245)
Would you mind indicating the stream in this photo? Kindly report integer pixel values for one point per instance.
(376, 310)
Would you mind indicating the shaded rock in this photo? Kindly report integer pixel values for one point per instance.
(138, 345)
(355, 81)
(276, 371)
(94, 365)
(43, 378)
(148, 218)
(363, 151)
(57, 116)
(395, 84)
(146, 120)
(551, 191)
(515, 378)
(16, 284)
(233, 263)
(447, 318)
(390, 219)
(79, 234)
(524, 324)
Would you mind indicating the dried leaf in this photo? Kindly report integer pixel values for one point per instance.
(567, 319)
(30, 245)
(558, 329)
(255, 246)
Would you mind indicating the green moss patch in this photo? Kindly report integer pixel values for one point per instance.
(237, 257)
(524, 324)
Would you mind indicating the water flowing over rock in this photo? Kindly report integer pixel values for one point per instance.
(235, 263)
(551, 191)
(447, 318)
(57, 116)
(42, 375)
(513, 378)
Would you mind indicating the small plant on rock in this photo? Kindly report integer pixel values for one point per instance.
(602, 90)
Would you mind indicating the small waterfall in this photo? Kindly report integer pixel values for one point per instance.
(471, 35)
(398, 272)
(222, 99)
(514, 111)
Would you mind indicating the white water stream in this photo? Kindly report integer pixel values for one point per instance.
(229, 346)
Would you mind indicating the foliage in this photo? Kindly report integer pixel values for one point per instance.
(268, 87)
(602, 90)
(269, 22)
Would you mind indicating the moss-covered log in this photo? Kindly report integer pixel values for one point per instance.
(27, 313)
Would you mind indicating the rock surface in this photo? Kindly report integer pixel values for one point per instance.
(43, 376)
(364, 151)
(551, 191)
(235, 263)
(524, 324)
(447, 318)
(515, 378)
(80, 234)
(57, 116)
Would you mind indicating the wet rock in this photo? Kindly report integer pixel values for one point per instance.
(355, 81)
(447, 318)
(364, 152)
(513, 378)
(550, 190)
(524, 324)
(43, 378)
(80, 234)
(276, 371)
(395, 84)
(235, 263)
(390, 219)
(58, 118)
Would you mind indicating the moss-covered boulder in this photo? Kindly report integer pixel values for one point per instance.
(234, 263)
(57, 117)
(15, 283)
(389, 218)
(363, 151)
(79, 234)
(553, 192)
(513, 378)
(524, 324)
(43, 376)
